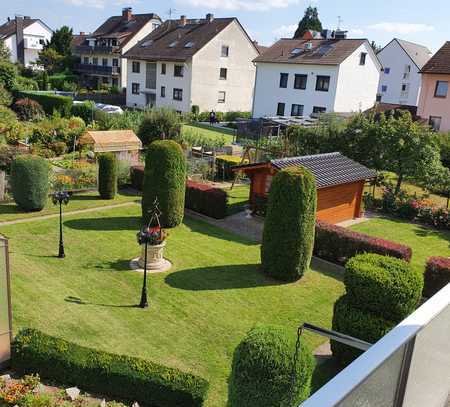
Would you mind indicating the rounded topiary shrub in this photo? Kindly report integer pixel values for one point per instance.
(384, 285)
(30, 182)
(360, 324)
(262, 370)
(288, 237)
(165, 178)
(107, 175)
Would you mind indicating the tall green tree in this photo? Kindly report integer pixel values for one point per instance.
(61, 41)
(310, 21)
(51, 60)
(5, 53)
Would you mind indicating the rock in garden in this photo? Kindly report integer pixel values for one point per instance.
(5, 378)
(103, 403)
(135, 404)
(73, 393)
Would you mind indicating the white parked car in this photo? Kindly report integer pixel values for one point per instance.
(109, 108)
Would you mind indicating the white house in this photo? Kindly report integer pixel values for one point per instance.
(25, 38)
(300, 77)
(101, 53)
(205, 62)
(400, 80)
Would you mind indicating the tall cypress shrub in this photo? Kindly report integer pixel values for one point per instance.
(288, 237)
(165, 178)
(107, 175)
(30, 182)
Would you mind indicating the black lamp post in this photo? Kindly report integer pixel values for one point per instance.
(60, 197)
(147, 235)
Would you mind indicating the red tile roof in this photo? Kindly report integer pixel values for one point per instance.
(439, 62)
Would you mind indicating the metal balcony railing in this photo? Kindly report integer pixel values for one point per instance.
(97, 49)
(97, 69)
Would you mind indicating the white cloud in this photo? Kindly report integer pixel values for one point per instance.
(356, 31)
(401, 28)
(285, 31)
(100, 4)
(246, 5)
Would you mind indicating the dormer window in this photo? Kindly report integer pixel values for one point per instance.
(296, 51)
(189, 44)
(173, 44)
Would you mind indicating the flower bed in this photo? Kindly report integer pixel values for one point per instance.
(410, 207)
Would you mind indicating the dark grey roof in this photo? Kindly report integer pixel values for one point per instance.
(329, 169)
(419, 54)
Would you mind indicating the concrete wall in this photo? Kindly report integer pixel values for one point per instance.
(429, 105)
(240, 82)
(268, 92)
(357, 84)
(396, 59)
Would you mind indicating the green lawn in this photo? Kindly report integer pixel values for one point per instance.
(209, 132)
(10, 211)
(237, 198)
(424, 241)
(199, 311)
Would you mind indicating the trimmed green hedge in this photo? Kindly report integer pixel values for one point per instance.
(107, 175)
(165, 178)
(50, 102)
(288, 236)
(124, 377)
(384, 285)
(262, 370)
(360, 324)
(30, 182)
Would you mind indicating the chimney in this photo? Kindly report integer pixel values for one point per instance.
(340, 35)
(183, 21)
(209, 17)
(19, 40)
(127, 13)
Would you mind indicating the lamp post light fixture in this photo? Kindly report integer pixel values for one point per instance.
(61, 197)
(150, 234)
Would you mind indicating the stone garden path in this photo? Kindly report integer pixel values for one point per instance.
(56, 215)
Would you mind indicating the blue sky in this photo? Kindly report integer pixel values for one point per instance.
(265, 20)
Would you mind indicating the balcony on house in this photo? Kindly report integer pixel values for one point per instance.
(91, 69)
(95, 49)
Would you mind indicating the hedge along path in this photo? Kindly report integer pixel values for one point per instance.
(56, 215)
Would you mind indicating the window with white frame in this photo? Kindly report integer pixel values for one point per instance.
(225, 52)
(222, 96)
(135, 88)
(178, 94)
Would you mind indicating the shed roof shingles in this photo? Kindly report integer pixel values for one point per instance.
(439, 62)
(157, 45)
(323, 52)
(329, 169)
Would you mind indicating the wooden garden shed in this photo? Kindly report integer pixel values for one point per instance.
(340, 182)
(124, 143)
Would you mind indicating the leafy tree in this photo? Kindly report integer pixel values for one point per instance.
(61, 41)
(5, 53)
(160, 124)
(8, 74)
(409, 149)
(376, 48)
(51, 60)
(5, 97)
(310, 21)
